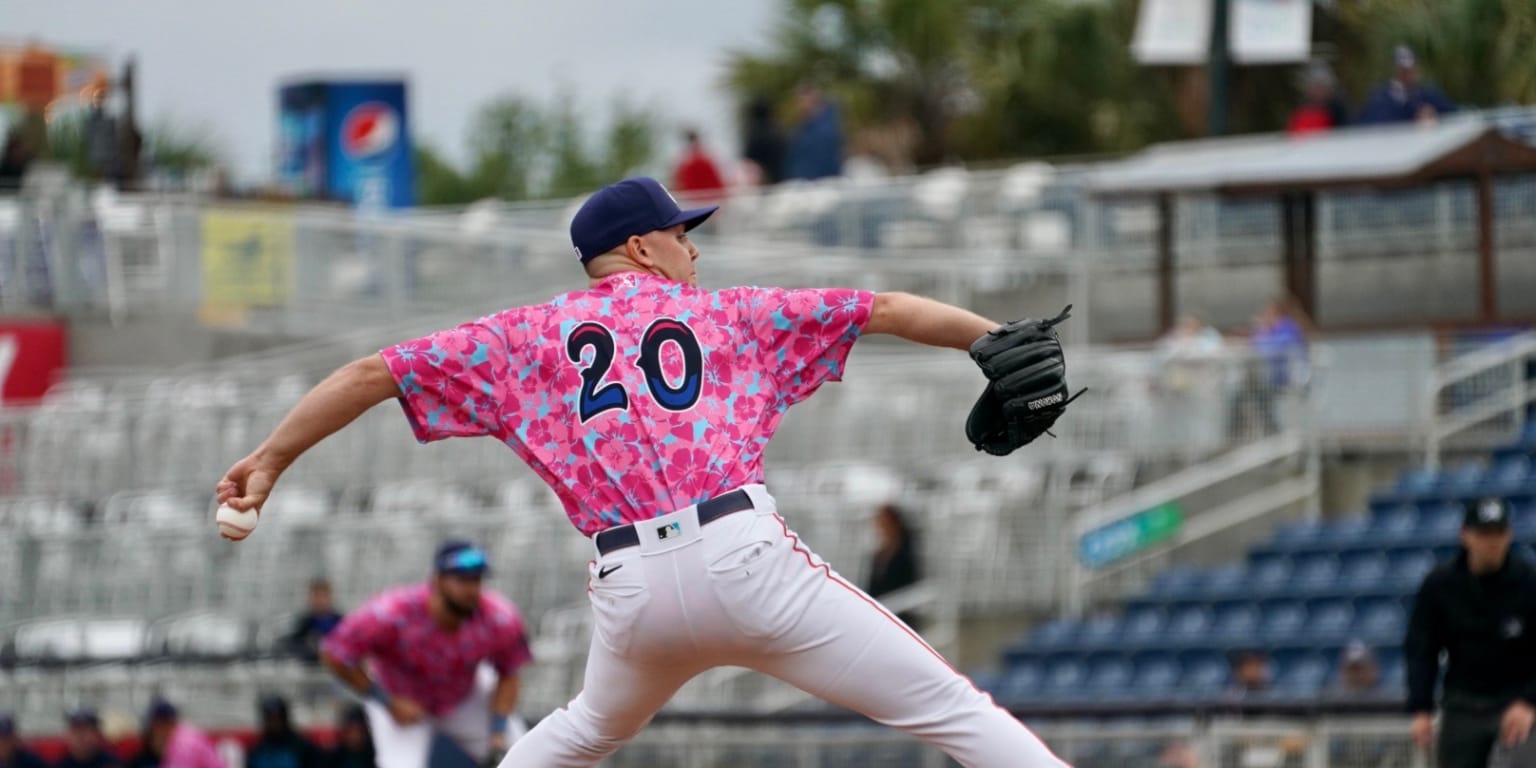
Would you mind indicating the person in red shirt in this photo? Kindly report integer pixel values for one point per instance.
(696, 175)
(1323, 109)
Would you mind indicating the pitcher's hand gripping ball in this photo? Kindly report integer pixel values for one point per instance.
(1026, 385)
(234, 524)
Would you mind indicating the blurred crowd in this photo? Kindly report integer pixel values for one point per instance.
(1404, 97)
(165, 740)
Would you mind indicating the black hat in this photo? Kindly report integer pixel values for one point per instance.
(82, 716)
(1491, 514)
(461, 557)
(273, 704)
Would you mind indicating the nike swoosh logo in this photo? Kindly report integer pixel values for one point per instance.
(603, 572)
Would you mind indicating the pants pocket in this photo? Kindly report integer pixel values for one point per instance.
(747, 572)
(618, 595)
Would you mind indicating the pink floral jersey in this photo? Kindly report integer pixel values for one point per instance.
(638, 396)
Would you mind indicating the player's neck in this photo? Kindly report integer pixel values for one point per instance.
(441, 616)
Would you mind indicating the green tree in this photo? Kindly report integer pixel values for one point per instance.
(1478, 51)
(520, 150)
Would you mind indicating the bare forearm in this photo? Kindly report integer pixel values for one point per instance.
(926, 321)
(350, 676)
(326, 409)
(504, 698)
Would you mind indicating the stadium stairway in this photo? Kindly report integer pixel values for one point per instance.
(1302, 597)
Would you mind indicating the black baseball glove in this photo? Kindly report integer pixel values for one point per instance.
(1026, 385)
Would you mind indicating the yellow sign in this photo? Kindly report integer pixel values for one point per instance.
(247, 259)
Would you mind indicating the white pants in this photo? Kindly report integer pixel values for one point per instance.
(468, 725)
(744, 591)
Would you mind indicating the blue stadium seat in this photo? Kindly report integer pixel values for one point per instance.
(1440, 523)
(1316, 573)
(1396, 525)
(1510, 475)
(1297, 536)
(1301, 676)
(1189, 626)
(1283, 622)
(1236, 625)
(1109, 678)
(1410, 567)
(1329, 621)
(1463, 479)
(1225, 581)
(1364, 571)
(1269, 576)
(1155, 677)
(1064, 678)
(1419, 481)
(1057, 633)
(1177, 583)
(1350, 533)
(1021, 681)
(1099, 632)
(1381, 622)
(1143, 626)
(1204, 676)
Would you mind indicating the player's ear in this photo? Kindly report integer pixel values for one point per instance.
(635, 248)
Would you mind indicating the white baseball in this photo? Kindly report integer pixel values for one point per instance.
(235, 524)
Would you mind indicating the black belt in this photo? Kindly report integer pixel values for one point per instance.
(621, 537)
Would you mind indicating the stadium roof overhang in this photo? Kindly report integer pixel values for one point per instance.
(1294, 169)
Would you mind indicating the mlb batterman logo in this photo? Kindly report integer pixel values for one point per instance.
(369, 130)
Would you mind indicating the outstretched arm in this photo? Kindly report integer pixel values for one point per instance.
(926, 321)
(331, 405)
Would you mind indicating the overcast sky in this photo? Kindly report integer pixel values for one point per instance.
(217, 63)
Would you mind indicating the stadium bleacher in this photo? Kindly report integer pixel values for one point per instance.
(1301, 596)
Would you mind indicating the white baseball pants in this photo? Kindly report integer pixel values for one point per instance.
(468, 724)
(744, 591)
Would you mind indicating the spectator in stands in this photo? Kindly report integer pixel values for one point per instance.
(315, 623)
(1178, 754)
(14, 754)
(1359, 673)
(763, 148)
(1250, 674)
(179, 744)
(1323, 107)
(1280, 364)
(87, 747)
(354, 745)
(1479, 610)
(1406, 97)
(417, 654)
(816, 148)
(14, 159)
(696, 175)
(894, 564)
(280, 745)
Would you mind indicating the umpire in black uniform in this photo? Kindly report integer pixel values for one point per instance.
(1480, 610)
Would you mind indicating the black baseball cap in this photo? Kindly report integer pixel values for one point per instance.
(461, 557)
(160, 709)
(625, 209)
(82, 716)
(1491, 514)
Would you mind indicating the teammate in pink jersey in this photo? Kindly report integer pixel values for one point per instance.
(645, 402)
(434, 660)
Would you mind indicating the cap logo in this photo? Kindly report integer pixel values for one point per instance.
(1490, 512)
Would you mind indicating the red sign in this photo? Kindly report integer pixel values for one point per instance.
(32, 355)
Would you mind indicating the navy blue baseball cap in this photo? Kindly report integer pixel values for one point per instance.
(7, 724)
(625, 209)
(461, 557)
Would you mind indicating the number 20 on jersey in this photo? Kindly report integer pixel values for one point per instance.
(597, 396)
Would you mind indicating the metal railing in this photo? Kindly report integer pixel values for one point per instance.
(1480, 398)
